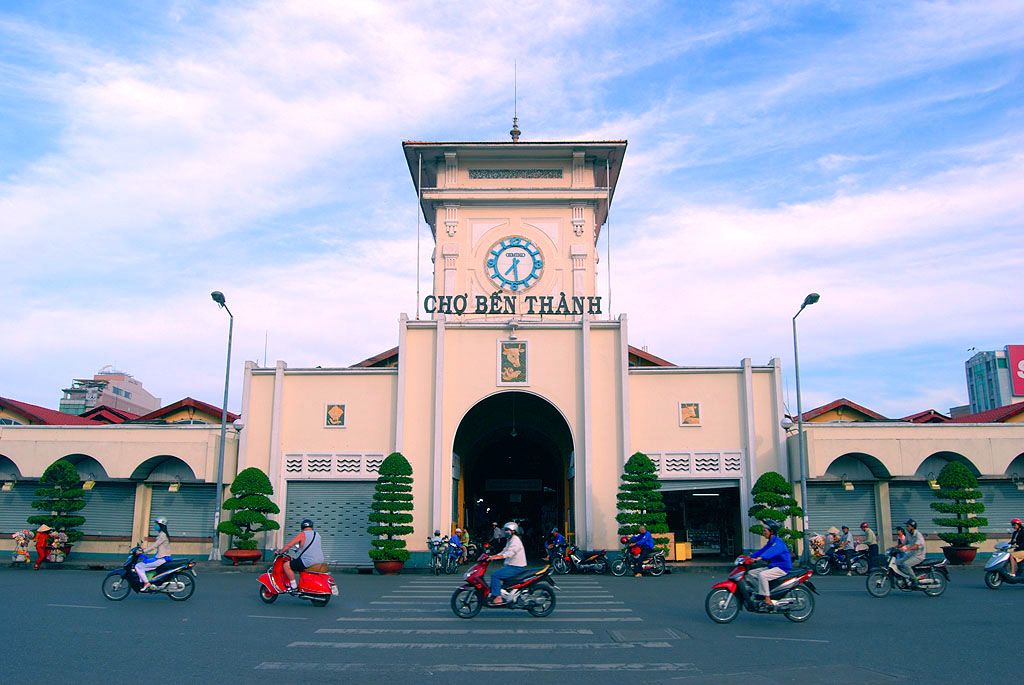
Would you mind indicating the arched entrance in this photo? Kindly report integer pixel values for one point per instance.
(512, 461)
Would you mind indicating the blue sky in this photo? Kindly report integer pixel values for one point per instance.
(869, 152)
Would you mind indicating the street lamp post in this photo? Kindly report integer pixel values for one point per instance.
(805, 555)
(218, 297)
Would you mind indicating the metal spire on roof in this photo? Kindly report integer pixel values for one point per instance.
(515, 103)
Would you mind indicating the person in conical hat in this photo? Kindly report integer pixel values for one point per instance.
(42, 540)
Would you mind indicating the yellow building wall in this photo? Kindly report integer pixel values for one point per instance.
(369, 401)
(15, 416)
(654, 411)
(257, 422)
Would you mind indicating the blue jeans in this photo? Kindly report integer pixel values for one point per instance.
(503, 572)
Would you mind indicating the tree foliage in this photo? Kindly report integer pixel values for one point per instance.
(249, 506)
(773, 499)
(640, 500)
(958, 490)
(61, 495)
(392, 504)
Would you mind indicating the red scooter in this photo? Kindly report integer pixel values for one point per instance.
(525, 591)
(315, 586)
(791, 594)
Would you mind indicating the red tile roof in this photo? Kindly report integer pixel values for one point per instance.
(187, 402)
(997, 415)
(842, 402)
(43, 416)
(648, 357)
(926, 416)
(106, 414)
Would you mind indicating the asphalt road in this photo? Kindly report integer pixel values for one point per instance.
(58, 627)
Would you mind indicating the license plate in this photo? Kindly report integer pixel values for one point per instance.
(334, 590)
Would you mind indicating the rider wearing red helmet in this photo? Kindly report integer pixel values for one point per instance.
(1017, 543)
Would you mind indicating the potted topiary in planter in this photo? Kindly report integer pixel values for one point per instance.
(773, 499)
(249, 506)
(62, 496)
(958, 488)
(390, 519)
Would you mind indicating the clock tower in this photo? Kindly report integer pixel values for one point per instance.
(515, 225)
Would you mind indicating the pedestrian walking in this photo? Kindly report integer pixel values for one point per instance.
(871, 540)
(42, 542)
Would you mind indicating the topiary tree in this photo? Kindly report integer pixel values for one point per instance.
(639, 499)
(773, 499)
(958, 485)
(392, 500)
(249, 506)
(61, 497)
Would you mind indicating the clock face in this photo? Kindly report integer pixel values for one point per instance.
(515, 263)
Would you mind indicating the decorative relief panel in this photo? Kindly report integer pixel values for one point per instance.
(705, 464)
(333, 466)
(515, 173)
(577, 219)
(451, 219)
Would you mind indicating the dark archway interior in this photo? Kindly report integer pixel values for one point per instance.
(514, 449)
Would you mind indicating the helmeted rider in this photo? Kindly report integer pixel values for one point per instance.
(1017, 545)
(914, 549)
(515, 560)
(778, 556)
(455, 543)
(155, 555)
(555, 541)
(645, 541)
(310, 552)
(847, 546)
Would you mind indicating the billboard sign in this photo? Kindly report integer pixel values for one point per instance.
(1015, 355)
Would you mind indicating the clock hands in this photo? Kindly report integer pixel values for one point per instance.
(514, 268)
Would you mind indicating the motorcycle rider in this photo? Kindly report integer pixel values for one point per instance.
(311, 553)
(1017, 543)
(556, 541)
(646, 542)
(161, 550)
(846, 547)
(871, 540)
(915, 551)
(515, 561)
(780, 561)
(455, 543)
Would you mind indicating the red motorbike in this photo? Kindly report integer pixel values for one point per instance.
(629, 561)
(791, 592)
(315, 586)
(527, 591)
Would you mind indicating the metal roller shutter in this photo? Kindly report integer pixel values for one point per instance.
(16, 507)
(912, 501)
(830, 504)
(1003, 502)
(109, 509)
(340, 512)
(189, 511)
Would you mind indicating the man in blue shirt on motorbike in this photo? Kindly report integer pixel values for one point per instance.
(557, 542)
(646, 543)
(776, 553)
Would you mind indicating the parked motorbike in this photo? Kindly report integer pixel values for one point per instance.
(572, 558)
(629, 562)
(453, 557)
(997, 570)
(175, 578)
(529, 590)
(931, 575)
(792, 594)
(316, 586)
(835, 561)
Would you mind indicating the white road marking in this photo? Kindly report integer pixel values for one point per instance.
(787, 639)
(457, 631)
(473, 668)
(75, 606)
(493, 617)
(480, 645)
(282, 618)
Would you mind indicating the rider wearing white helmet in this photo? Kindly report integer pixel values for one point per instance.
(515, 560)
(161, 551)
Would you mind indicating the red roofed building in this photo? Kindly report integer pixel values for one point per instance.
(15, 413)
(187, 410)
(1012, 413)
(842, 410)
(108, 415)
(926, 416)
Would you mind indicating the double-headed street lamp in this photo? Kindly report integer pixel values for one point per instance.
(802, 448)
(218, 297)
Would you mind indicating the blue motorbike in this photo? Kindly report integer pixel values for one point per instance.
(175, 578)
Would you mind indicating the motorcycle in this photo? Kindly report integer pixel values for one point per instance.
(997, 570)
(792, 594)
(175, 578)
(932, 577)
(836, 561)
(525, 591)
(572, 558)
(453, 558)
(316, 586)
(630, 560)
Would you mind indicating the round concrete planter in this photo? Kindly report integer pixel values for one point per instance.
(388, 568)
(960, 556)
(237, 555)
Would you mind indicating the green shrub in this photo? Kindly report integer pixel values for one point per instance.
(959, 486)
(249, 506)
(639, 499)
(392, 502)
(61, 496)
(773, 499)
